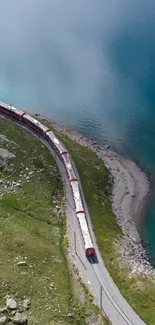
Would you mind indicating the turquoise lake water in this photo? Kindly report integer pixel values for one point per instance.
(89, 64)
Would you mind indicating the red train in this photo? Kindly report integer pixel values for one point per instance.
(38, 127)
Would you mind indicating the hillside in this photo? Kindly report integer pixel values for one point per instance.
(34, 270)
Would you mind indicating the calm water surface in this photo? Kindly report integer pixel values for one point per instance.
(90, 64)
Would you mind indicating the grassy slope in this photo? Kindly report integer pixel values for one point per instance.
(139, 291)
(30, 229)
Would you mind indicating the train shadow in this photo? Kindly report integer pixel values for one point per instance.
(92, 259)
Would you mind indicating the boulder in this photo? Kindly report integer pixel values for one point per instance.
(26, 304)
(13, 312)
(18, 184)
(3, 310)
(19, 319)
(11, 303)
(31, 173)
(22, 263)
(3, 320)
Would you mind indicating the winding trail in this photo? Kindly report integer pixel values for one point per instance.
(102, 286)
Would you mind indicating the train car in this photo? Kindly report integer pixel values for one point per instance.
(55, 143)
(77, 197)
(69, 167)
(80, 213)
(89, 248)
(50, 138)
(35, 124)
(11, 111)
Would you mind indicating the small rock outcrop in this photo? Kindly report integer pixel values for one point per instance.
(19, 319)
(15, 312)
(3, 310)
(3, 320)
(11, 304)
(22, 263)
(26, 304)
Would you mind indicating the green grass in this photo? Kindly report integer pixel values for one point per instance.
(32, 229)
(138, 290)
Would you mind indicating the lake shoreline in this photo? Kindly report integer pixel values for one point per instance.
(130, 193)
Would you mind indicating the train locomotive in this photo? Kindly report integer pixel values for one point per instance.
(39, 128)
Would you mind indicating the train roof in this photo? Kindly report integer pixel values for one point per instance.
(69, 167)
(4, 105)
(16, 110)
(52, 136)
(72, 176)
(36, 122)
(67, 160)
(11, 108)
(77, 197)
(57, 142)
(85, 230)
(75, 188)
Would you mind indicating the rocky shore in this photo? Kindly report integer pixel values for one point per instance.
(129, 193)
